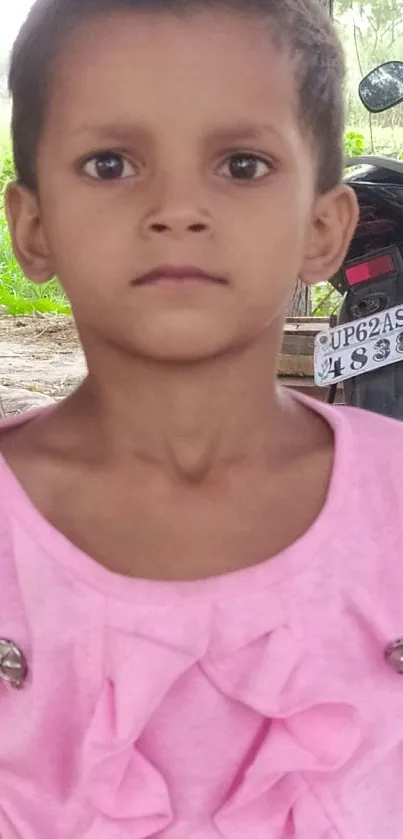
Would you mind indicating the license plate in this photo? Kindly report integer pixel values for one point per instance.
(357, 347)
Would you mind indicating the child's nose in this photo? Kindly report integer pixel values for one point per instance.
(177, 222)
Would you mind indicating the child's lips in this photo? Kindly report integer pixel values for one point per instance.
(170, 274)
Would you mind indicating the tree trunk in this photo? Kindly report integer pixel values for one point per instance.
(301, 301)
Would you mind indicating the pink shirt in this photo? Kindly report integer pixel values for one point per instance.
(253, 706)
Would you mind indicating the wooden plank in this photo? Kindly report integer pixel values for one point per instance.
(295, 365)
(306, 326)
(298, 346)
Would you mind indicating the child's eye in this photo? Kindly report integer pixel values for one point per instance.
(109, 166)
(245, 167)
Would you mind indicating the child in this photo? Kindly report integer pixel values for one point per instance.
(201, 575)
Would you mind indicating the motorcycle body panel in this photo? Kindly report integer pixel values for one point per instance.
(379, 190)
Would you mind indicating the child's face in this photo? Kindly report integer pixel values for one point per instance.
(176, 107)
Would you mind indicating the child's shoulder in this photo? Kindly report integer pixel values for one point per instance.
(374, 445)
(365, 443)
(365, 497)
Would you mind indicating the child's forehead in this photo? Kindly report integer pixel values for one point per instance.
(216, 65)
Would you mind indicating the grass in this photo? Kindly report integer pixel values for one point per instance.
(18, 296)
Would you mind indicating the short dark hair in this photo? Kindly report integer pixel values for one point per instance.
(302, 27)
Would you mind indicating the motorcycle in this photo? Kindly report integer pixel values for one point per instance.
(365, 349)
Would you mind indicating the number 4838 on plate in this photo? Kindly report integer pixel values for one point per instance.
(351, 349)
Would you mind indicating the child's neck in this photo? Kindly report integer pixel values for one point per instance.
(203, 470)
(190, 419)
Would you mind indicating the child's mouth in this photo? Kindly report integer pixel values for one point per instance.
(169, 274)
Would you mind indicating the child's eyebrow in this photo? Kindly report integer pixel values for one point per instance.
(126, 132)
(244, 131)
(119, 130)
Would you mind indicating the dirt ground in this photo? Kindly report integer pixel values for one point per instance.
(40, 360)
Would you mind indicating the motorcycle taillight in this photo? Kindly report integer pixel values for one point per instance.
(370, 269)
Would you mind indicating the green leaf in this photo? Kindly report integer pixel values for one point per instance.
(354, 144)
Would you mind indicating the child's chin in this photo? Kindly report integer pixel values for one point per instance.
(188, 344)
(180, 352)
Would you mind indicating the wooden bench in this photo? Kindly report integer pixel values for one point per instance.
(296, 360)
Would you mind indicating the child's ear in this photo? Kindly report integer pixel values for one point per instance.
(27, 234)
(335, 219)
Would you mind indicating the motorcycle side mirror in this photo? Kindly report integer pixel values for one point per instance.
(382, 88)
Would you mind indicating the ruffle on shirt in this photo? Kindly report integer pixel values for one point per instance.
(129, 796)
(304, 732)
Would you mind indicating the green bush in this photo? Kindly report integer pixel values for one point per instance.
(325, 301)
(354, 144)
(6, 168)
